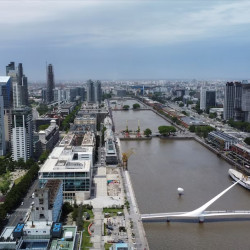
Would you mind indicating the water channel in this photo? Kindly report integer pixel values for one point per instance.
(159, 166)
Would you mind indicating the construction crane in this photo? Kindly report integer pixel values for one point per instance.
(125, 157)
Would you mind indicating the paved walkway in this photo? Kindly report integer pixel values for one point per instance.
(97, 236)
(137, 231)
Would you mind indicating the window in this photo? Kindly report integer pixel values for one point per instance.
(40, 201)
(42, 216)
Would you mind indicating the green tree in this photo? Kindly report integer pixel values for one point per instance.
(181, 104)
(43, 157)
(166, 130)
(192, 128)
(136, 106)
(247, 140)
(147, 132)
(43, 127)
(212, 115)
(126, 107)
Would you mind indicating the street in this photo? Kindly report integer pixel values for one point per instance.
(19, 214)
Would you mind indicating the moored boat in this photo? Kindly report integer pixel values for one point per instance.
(236, 175)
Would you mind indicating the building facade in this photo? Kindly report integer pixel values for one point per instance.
(22, 134)
(72, 165)
(48, 202)
(50, 83)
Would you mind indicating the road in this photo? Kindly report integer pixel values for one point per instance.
(19, 214)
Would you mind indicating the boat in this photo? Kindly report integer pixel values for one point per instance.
(236, 175)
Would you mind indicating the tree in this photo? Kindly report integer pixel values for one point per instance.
(147, 132)
(43, 157)
(181, 104)
(126, 107)
(212, 115)
(166, 130)
(136, 106)
(247, 140)
(192, 128)
(43, 127)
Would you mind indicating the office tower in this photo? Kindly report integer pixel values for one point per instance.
(50, 83)
(237, 101)
(10, 66)
(19, 84)
(208, 99)
(2, 129)
(22, 133)
(229, 101)
(245, 104)
(5, 88)
(238, 115)
(98, 92)
(44, 95)
(90, 91)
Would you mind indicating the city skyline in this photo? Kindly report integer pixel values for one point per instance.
(127, 39)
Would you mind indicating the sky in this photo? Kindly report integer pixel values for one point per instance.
(114, 40)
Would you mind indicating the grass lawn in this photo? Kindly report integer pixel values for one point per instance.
(18, 180)
(112, 210)
(107, 246)
(89, 211)
(86, 244)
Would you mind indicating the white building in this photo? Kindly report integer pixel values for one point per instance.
(22, 134)
(72, 165)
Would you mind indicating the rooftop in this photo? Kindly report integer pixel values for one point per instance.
(64, 244)
(68, 160)
(4, 79)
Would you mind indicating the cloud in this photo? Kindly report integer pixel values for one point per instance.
(115, 23)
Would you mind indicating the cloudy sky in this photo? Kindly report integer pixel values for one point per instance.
(202, 39)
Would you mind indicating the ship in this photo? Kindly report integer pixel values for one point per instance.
(244, 180)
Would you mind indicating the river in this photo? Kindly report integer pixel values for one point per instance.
(159, 166)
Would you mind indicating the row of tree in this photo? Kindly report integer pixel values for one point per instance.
(18, 191)
(201, 131)
(70, 118)
(243, 126)
(135, 106)
(8, 165)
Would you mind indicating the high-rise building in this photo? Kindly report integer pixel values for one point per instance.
(207, 99)
(237, 101)
(19, 84)
(245, 104)
(10, 66)
(50, 83)
(98, 92)
(2, 129)
(94, 91)
(22, 133)
(90, 91)
(5, 88)
(229, 101)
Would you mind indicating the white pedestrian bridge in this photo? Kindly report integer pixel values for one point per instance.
(199, 213)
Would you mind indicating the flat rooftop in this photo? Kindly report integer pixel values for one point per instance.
(70, 159)
(4, 79)
(64, 244)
